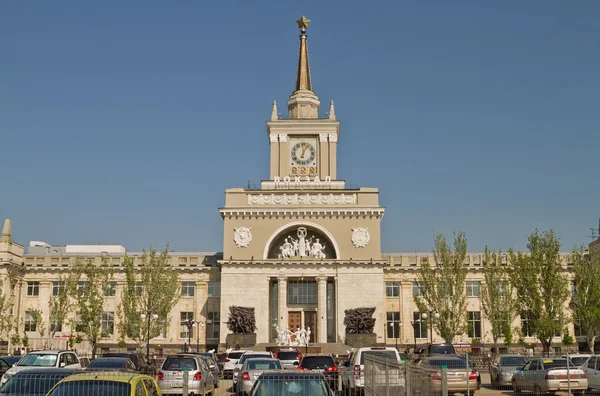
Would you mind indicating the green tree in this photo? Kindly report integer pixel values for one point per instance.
(62, 305)
(443, 286)
(497, 297)
(25, 340)
(38, 318)
(6, 318)
(541, 286)
(89, 297)
(152, 287)
(585, 301)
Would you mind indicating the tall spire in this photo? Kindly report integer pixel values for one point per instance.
(303, 75)
(7, 230)
(303, 102)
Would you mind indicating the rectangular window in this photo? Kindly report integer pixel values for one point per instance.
(110, 290)
(473, 289)
(81, 286)
(138, 288)
(79, 326)
(33, 288)
(502, 288)
(187, 289)
(29, 322)
(525, 328)
(392, 289)
(57, 287)
(302, 292)
(393, 324)
(213, 322)
(577, 330)
(417, 288)
(183, 329)
(474, 324)
(214, 289)
(419, 326)
(108, 323)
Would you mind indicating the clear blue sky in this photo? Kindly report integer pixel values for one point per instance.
(123, 122)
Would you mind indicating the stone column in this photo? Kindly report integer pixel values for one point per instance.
(201, 297)
(282, 301)
(322, 309)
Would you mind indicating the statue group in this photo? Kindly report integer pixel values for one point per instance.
(302, 247)
(284, 336)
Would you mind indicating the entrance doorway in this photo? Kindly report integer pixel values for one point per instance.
(294, 322)
(310, 320)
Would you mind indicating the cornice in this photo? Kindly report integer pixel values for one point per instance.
(310, 212)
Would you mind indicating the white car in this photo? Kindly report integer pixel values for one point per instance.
(43, 359)
(230, 361)
(353, 378)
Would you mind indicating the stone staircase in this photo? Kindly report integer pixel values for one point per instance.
(326, 349)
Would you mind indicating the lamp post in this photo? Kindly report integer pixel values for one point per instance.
(431, 315)
(148, 316)
(414, 325)
(189, 324)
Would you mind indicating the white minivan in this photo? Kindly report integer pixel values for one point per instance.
(43, 359)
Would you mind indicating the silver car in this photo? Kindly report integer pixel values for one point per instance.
(503, 368)
(252, 369)
(549, 375)
(238, 365)
(170, 375)
(290, 358)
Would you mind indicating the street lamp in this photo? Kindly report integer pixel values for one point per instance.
(431, 315)
(148, 316)
(189, 324)
(414, 325)
(394, 333)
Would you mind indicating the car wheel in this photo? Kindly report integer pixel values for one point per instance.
(537, 391)
(516, 389)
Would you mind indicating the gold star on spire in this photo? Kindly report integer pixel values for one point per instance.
(303, 22)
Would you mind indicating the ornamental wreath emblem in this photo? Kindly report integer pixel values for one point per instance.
(242, 236)
(360, 237)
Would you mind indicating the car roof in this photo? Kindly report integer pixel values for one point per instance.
(48, 352)
(291, 374)
(128, 353)
(52, 370)
(262, 359)
(116, 376)
(111, 358)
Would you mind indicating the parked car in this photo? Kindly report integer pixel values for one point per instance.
(579, 359)
(11, 360)
(139, 360)
(549, 375)
(230, 361)
(111, 364)
(429, 349)
(354, 379)
(4, 366)
(34, 382)
(43, 359)
(290, 358)
(292, 383)
(252, 369)
(460, 377)
(215, 358)
(504, 366)
(213, 367)
(170, 375)
(324, 364)
(106, 383)
(246, 355)
(592, 372)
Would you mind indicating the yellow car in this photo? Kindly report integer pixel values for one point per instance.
(100, 383)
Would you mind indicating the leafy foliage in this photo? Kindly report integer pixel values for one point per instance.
(62, 305)
(585, 301)
(89, 298)
(541, 285)
(152, 287)
(6, 319)
(497, 297)
(444, 286)
(38, 318)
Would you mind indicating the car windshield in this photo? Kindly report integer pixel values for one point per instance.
(451, 363)
(390, 355)
(258, 364)
(271, 386)
(40, 360)
(107, 363)
(235, 355)
(251, 356)
(31, 384)
(312, 362)
(554, 363)
(579, 360)
(513, 360)
(287, 355)
(178, 364)
(442, 350)
(92, 388)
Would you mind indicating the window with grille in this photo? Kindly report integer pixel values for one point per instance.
(392, 289)
(474, 324)
(213, 320)
(419, 326)
(302, 292)
(110, 290)
(393, 324)
(183, 329)
(187, 289)
(214, 289)
(473, 288)
(57, 287)
(29, 323)
(33, 288)
(417, 288)
(108, 323)
(525, 327)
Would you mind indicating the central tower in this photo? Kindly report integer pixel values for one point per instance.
(302, 247)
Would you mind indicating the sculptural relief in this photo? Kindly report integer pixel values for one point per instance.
(360, 237)
(302, 246)
(242, 236)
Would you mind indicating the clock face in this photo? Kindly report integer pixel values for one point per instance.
(303, 153)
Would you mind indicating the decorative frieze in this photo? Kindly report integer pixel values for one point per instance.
(302, 199)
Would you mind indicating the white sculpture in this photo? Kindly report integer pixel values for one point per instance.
(303, 339)
(360, 237)
(308, 335)
(303, 246)
(242, 236)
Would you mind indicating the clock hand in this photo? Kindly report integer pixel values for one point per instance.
(304, 147)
